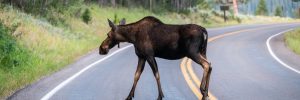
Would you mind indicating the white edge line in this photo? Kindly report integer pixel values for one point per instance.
(64, 83)
(275, 57)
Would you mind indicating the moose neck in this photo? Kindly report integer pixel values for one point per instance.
(128, 32)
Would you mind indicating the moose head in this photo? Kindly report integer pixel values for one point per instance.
(114, 37)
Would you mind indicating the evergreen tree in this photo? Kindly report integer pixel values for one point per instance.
(261, 8)
(278, 11)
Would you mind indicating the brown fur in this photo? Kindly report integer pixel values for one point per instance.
(152, 38)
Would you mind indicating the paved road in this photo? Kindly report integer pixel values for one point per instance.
(242, 69)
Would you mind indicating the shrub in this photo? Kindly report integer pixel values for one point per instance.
(11, 54)
(203, 4)
(55, 18)
(86, 16)
(238, 19)
(204, 15)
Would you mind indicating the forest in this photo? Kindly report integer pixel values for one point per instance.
(181, 6)
(38, 6)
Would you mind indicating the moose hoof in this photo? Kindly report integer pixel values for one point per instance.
(128, 98)
(205, 98)
(159, 97)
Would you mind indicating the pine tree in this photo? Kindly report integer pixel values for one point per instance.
(278, 11)
(261, 8)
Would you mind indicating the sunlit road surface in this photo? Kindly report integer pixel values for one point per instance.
(243, 69)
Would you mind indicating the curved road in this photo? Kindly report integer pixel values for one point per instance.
(243, 69)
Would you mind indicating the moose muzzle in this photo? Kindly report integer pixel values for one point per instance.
(103, 50)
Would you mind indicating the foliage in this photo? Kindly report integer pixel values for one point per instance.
(238, 19)
(292, 39)
(55, 18)
(278, 11)
(226, 1)
(11, 53)
(204, 15)
(86, 16)
(261, 8)
(296, 13)
(202, 4)
(13, 59)
(42, 6)
(243, 1)
(49, 9)
(295, 0)
(157, 6)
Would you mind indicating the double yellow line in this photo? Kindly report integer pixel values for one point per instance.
(189, 74)
(191, 78)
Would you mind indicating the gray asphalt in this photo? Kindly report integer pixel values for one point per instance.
(242, 69)
(283, 53)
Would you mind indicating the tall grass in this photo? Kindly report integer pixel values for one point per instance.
(47, 48)
(14, 59)
(292, 40)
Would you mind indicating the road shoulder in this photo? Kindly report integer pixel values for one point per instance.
(281, 50)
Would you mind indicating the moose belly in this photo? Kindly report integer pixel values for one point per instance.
(169, 54)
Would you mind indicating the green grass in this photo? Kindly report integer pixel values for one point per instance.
(13, 59)
(51, 42)
(292, 39)
(49, 47)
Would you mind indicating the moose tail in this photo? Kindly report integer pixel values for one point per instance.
(204, 43)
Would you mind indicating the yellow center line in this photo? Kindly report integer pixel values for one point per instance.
(196, 79)
(190, 76)
(189, 80)
(236, 32)
(190, 70)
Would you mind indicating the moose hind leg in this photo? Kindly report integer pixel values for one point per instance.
(153, 65)
(139, 70)
(201, 59)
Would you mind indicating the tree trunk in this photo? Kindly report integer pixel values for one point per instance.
(150, 5)
(235, 7)
(113, 3)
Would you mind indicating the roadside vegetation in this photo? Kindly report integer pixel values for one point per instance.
(37, 40)
(292, 40)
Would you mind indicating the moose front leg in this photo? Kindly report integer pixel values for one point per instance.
(201, 59)
(153, 65)
(139, 70)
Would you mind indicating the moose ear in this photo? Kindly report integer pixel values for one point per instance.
(111, 24)
(122, 22)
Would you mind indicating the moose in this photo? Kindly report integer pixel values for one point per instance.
(152, 38)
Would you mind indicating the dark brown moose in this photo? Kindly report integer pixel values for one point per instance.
(152, 38)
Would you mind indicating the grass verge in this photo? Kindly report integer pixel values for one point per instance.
(292, 40)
